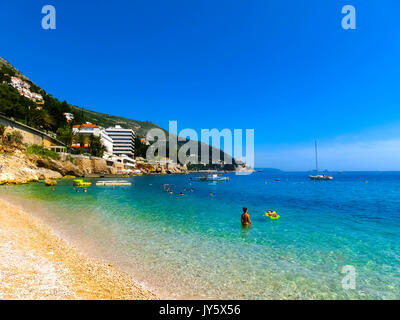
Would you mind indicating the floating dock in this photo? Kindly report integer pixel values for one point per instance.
(113, 183)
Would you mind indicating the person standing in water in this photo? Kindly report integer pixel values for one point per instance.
(245, 219)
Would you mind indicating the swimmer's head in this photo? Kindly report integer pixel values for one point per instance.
(244, 210)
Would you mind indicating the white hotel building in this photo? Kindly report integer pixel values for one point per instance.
(118, 141)
(123, 141)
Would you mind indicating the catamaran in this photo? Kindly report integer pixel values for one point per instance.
(319, 176)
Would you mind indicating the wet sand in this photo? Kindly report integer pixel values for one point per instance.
(36, 264)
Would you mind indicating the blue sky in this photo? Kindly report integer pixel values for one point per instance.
(284, 68)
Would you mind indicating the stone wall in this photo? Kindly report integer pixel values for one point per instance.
(30, 135)
(91, 165)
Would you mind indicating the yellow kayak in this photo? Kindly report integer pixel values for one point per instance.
(84, 184)
(77, 181)
(80, 183)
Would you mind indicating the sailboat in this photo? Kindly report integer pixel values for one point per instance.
(319, 176)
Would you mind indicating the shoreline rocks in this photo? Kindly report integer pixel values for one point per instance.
(50, 182)
(168, 168)
(17, 167)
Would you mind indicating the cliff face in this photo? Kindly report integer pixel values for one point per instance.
(63, 167)
(17, 168)
(92, 165)
(170, 168)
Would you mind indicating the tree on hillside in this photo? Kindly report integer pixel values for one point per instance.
(4, 78)
(7, 70)
(2, 130)
(96, 147)
(65, 135)
(41, 119)
(140, 148)
(13, 105)
(81, 139)
(56, 109)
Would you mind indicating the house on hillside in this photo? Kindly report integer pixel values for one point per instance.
(89, 129)
(24, 89)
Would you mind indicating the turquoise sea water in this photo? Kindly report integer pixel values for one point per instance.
(194, 246)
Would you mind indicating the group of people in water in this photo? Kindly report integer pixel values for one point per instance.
(167, 188)
(245, 217)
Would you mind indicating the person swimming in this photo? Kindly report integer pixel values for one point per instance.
(245, 218)
(181, 194)
(271, 213)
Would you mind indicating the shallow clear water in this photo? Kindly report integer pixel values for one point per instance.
(194, 246)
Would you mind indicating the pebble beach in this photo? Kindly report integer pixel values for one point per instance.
(37, 264)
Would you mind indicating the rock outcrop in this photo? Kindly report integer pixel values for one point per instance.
(62, 167)
(44, 174)
(17, 168)
(50, 182)
(157, 168)
(145, 167)
(92, 165)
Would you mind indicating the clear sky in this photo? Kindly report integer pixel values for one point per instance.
(284, 68)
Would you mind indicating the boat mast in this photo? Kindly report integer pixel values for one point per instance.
(316, 156)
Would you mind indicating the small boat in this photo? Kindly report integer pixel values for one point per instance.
(319, 176)
(84, 184)
(113, 183)
(211, 177)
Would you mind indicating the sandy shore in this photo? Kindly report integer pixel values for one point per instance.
(36, 264)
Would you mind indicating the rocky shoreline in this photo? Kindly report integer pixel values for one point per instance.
(18, 167)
